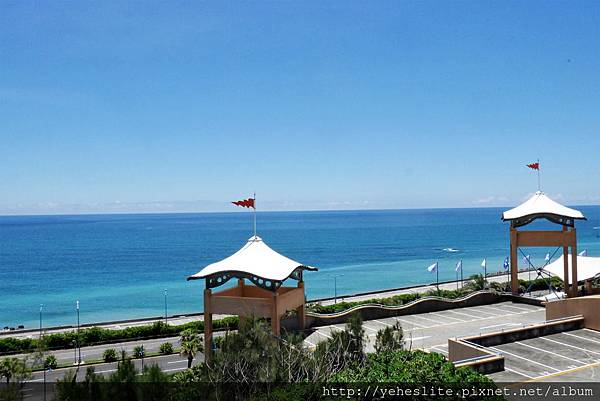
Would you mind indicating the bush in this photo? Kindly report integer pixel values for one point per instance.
(166, 348)
(139, 352)
(98, 335)
(50, 362)
(109, 355)
(389, 339)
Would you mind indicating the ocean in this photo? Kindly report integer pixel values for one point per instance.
(118, 266)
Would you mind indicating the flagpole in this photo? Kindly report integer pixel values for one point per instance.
(437, 276)
(461, 274)
(484, 272)
(254, 214)
(457, 280)
(538, 171)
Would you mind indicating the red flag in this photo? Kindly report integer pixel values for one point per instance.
(534, 166)
(249, 203)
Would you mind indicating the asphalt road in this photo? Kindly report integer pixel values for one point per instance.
(95, 352)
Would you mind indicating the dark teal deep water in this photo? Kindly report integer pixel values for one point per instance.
(119, 265)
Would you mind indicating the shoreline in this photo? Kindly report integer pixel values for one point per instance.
(194, 316)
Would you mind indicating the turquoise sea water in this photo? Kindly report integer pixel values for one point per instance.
(119, 265)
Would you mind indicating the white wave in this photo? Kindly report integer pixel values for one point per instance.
(451, 250)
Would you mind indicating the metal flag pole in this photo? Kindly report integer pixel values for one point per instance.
(457, 279)
(437, 276)
(461, 274)
(78, 341)
(254, 207)
(538, 171)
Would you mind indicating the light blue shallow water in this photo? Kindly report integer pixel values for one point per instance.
(119, 265)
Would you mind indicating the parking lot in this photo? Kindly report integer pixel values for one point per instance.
(430, 331)
(567, 356)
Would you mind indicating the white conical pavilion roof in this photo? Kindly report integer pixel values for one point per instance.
(257, 259)
(587, 268)
(540, 205)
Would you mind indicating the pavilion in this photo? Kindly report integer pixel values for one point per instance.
(537, 207)
(267, 270)
(588, 270)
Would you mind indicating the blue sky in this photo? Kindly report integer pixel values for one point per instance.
(184, 106)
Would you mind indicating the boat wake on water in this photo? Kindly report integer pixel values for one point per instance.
(451, 250)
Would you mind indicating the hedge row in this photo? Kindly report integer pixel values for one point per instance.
(396, 300)
(402, 299)
(98, 335)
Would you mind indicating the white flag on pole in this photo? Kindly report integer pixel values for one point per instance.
(484, 264)
(582, 253)
(432, 268)
(547, 258)
(458, 266)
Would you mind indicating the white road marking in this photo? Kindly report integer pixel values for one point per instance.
(465, 314)
(369, 328)
(439, 350)
(519, 373)
(550, 352)
(417, 338)
(174, 369)
(309, 343)
(413, 324)
(384, 323)
(478, 309)
(180, 361)
(521, 357)
(515, 307)
(499, 325)
(583, 338)
(501, 310)
(570, 345)
(106, 371)
(424, 318)
(449, 317)
(590, 330)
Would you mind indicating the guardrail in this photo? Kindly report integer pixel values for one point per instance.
(473, 351)
(422, 305)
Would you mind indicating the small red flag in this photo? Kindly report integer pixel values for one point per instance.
(534, 166)
(249, 203)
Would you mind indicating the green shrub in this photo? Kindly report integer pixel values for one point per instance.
(98, 335)
(139, 352)
(166, 348)
(109, 355)
(390, 338)
(50, 362)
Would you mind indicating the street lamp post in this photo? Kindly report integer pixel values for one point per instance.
(78, 340)
(166, 321)
(335, 276)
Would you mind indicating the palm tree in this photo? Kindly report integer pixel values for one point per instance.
(14, 368)
(190, 345)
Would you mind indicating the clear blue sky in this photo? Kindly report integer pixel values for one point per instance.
(184, 106)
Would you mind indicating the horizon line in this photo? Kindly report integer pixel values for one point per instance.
(260, 211)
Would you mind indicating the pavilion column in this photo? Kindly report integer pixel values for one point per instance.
(514, 262)
(275, 324)
(566, 263)
(301, 311)
(208, 327)
(242, 319)
(575, 288)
